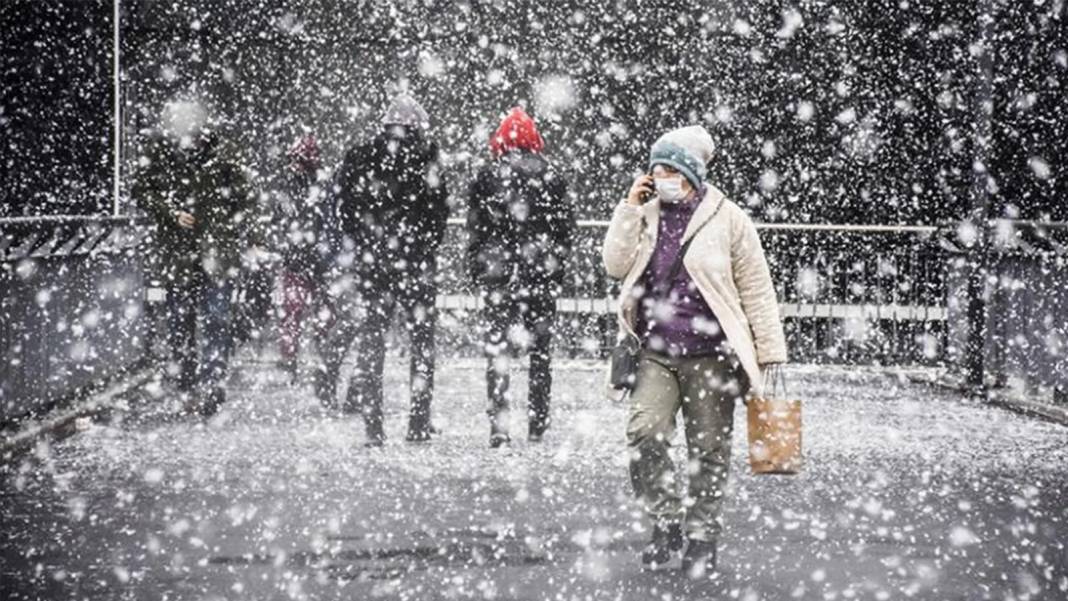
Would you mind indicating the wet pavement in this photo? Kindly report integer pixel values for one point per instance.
(907, 493)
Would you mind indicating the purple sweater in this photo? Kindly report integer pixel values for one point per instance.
(678, 322)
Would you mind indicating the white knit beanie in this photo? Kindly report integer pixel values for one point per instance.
(687, 149)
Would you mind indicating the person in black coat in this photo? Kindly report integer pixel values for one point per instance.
(520, 221)
(195, 188)
(392, 208)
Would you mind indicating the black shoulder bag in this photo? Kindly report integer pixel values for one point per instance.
(623, 370)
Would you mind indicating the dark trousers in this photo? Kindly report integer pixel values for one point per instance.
(255, 308)
(519, 323)
(201, 364)
(366, 321)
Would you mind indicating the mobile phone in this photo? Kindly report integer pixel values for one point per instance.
(646, 197)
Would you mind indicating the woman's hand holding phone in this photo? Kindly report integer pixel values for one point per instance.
(641, 190)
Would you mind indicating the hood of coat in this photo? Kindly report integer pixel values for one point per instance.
(517, 131)
(406, 111)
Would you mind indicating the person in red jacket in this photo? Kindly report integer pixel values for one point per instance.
(520, 221)
(297, 217)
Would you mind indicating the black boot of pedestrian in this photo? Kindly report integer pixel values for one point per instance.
(536, 430)
(699, 561)
(418, 431)
(210, 404)
(373, 420)
(290, 368)
(190, 404)
(376, 436)
(369, 403)
(499, 430)
(356, 397)
(666, 540)
(419, 427)
(326, 389)
(497, 392)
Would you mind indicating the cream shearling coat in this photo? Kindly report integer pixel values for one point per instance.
(725, 261)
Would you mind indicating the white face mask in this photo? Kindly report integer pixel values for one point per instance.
(669, 189)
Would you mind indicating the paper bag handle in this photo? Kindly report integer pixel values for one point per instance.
(774, 379)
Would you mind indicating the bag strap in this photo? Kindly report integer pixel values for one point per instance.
(676, 266)
(775, 380)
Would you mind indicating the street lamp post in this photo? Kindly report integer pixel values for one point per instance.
(116, 176)
(979, 263)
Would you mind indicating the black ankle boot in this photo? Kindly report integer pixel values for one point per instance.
(536, 430)
(666, 540)
(326, 389)
(209, 405)
(376, 433)
(418, 431)
(699, 560)
(499, 429)
(375, 438)
(498, 436)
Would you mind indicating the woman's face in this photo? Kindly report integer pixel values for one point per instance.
(663, 171)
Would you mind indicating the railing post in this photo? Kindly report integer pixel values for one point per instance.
(975, 349)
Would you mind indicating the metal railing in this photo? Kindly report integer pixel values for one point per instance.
(1007, 306)
(848, 293)
(64, 235)
(71, 307)
(868, 294)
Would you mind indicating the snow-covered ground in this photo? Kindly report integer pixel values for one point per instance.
(907, 493)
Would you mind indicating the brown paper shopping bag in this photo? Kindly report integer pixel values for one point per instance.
(774, 424)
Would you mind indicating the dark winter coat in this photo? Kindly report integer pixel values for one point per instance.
(300, 215)
(393, 204)
(521, 222)
(209, 182)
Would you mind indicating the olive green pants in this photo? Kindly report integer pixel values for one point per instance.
(705, 389)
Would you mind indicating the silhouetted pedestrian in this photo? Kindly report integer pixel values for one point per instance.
(392, 205)
(299, 211)
(195, 189)
(520, 221)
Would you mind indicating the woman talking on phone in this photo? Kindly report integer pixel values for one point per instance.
(697, 296)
